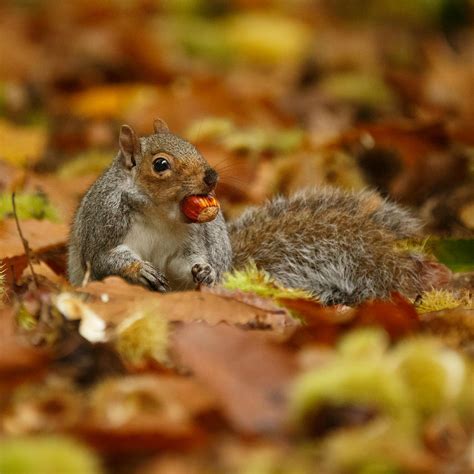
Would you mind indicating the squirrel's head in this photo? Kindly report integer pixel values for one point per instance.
(167, 167)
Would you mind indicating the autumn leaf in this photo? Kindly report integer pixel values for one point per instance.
(21, 145)
(251, 395)
(47, 242)
(457, 254)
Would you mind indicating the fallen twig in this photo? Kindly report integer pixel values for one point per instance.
(24, 242)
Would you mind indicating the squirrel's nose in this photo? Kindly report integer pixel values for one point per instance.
(211, 177)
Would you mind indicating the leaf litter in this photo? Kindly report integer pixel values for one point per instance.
(247, 377)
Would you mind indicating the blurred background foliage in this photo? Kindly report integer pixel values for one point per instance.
(278, 95)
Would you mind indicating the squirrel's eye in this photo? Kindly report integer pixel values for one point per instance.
(161, 165)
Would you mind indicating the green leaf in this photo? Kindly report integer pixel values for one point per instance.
(456, 254)
(46, 454)
(28, 206)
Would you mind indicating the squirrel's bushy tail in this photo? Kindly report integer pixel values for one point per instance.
(333, 283)
(339, 246)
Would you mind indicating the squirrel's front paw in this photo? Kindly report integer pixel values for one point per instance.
(147, 275)
(203, 274)
(151, 277)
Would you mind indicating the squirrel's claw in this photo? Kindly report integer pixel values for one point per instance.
(203, 274)
(152, 278)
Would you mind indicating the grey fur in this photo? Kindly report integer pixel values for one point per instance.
(117, 201)
(330, 243)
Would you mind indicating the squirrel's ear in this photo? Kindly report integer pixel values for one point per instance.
(160, 126)
(129, 145)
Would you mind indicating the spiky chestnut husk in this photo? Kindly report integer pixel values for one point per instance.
(200, 208)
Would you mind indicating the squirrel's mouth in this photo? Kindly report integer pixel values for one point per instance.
(211, 194)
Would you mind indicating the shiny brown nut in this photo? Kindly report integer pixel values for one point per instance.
(200, 208)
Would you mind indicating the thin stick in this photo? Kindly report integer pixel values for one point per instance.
(24, 242)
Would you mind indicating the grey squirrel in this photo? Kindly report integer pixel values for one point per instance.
(338, 245)
(130, 224)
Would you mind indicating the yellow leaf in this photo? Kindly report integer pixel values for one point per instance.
(267, 38)
(111, 101)
(20, 145)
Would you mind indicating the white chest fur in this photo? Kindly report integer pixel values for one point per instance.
(161, 242)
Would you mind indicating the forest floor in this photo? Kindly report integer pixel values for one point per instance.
(245, 377)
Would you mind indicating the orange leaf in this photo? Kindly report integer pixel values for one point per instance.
(397, 316)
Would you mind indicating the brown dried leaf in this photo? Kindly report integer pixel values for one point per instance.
(46, 240)
(42, 236)
(454, 326)
(114, 299)
(138, 413)
(397, 316)
(276, 317)
(16, 354)
(248, 375)
(323, 324)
